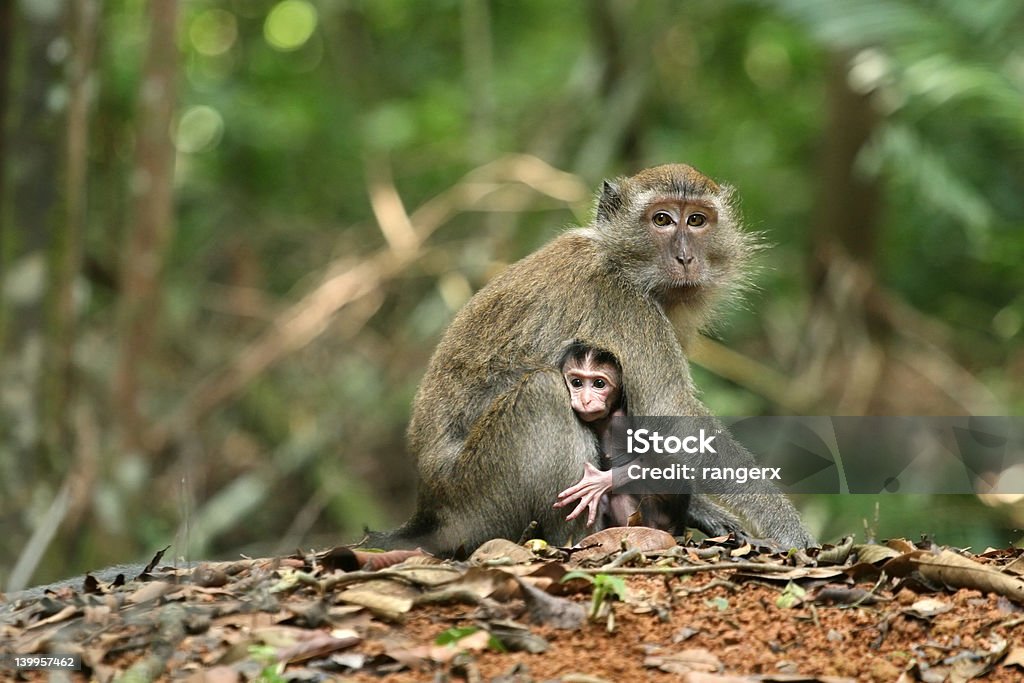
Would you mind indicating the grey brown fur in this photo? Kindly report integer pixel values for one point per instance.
(495, 439)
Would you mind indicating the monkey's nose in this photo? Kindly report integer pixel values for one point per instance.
(685, 259)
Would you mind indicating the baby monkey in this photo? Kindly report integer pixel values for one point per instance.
(594, 379)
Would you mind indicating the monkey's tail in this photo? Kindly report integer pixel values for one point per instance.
(417, 532)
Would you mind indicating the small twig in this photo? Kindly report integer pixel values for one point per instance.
(448, 595)
(527, 532)
(354, 577)
(692, 569)
(714, 583)
(624, 558)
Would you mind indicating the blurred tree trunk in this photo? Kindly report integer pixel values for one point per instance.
(850, 207)
(478, 58)
(149, 233)
(30, 152)
(625, 84)
(6, 36)
(50, 190)
(842, 363)
(65, 250)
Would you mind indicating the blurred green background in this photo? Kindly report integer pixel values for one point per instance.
(231, 233)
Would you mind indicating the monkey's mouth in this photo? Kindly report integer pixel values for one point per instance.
(593, 416)
(686, 290)
(688, 284)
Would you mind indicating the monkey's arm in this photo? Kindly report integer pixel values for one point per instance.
(524, 447)
(588, 491)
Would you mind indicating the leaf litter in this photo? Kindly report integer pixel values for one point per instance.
(624, 604)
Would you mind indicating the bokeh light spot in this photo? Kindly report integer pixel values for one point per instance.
(199, 129)
(290, 24)
(213, 32)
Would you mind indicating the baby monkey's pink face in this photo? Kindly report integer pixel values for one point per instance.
(594, 388)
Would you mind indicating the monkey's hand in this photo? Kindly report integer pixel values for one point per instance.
(588, 490)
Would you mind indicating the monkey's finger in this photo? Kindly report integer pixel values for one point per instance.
(584, 503)
(576, 513)
(572, 493)
(566, 497)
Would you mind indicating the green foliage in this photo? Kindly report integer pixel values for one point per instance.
(453, 635)
(292, 115)
(272, 668)
(720, 604)
(791, 596)
(606, 587)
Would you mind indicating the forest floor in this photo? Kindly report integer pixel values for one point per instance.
(631, 605)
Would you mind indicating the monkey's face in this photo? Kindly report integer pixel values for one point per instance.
(594, 389)
(672, 232)
(683, 235)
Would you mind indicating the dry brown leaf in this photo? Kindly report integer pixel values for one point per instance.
(612, 540)
(684, 661)
(377, 561)
(1015, 658)
(386, 599)
(427, 576)
(872, 554)
(742, 551)
(501, 549)
(316, 644)
(488, 583)
(208, 576)
(836, 554)
(517, 637)
(547, 577)
(150, 591)
(795, 574)
(1016, 567)
(701, 677)
(551, 610)
(928, 608)
(901, 545)
(278, 636)
(958, 571)
(65, 613)
(474, 642)
(218, 674)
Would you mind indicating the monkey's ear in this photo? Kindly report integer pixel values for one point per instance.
(610, 201)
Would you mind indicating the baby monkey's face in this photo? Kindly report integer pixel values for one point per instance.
(594, 388)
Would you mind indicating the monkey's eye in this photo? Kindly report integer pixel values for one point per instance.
(662, 219)
(696, 220)
(599, 384)
(576, 382)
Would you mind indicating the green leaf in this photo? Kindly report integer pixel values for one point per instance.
(455, 634)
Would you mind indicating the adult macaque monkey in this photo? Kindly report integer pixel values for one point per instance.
(491, 430)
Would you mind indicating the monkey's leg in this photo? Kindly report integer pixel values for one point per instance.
(710, 518)
(520, 453)
(713, 519)
(620, 507)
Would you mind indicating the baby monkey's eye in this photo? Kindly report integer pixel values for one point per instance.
(662, 219)
(576, 382)
(696, 220)
(599, 384)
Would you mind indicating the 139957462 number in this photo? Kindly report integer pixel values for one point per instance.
(41, 662)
